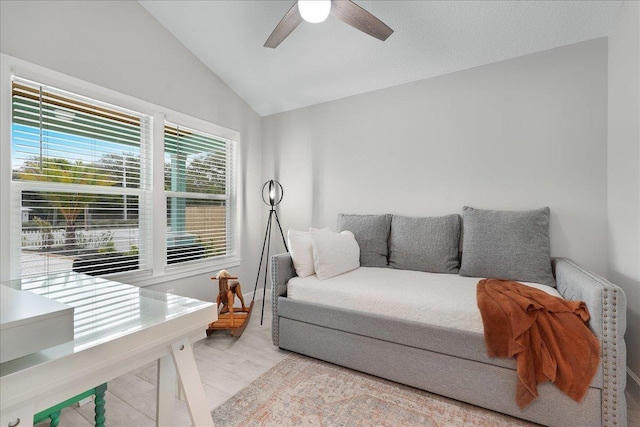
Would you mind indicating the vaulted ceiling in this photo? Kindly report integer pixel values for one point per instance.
(331, 60)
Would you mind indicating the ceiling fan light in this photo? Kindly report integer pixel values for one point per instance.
(314, 11)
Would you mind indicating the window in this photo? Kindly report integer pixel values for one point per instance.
(79, 175)
(198, 185)
(82, 187)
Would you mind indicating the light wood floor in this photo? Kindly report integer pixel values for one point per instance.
(226, 366)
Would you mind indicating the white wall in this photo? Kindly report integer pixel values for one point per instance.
(518, 134)
(120, 46)
(624, 169)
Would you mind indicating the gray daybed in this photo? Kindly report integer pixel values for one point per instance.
(454, 363)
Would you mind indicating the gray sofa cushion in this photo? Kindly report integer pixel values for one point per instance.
(511, 245)
(425, 244)
(371, 233)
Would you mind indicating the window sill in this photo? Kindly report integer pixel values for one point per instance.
(178, 272)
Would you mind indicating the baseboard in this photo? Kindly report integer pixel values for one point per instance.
(248, 296)
(84, 401)
(633, 386)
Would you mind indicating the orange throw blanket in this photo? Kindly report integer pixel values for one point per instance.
(547, 335)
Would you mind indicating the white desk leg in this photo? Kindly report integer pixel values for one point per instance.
(166, 398)
(191, 383)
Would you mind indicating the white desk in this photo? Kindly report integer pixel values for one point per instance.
(117, 328)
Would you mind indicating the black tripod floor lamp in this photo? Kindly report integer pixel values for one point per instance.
(274, 194)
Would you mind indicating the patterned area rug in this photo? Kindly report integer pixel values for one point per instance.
(300, 391)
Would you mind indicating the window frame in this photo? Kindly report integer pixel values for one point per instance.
(10, 205)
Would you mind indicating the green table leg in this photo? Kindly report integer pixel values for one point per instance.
(55, 419)
(100, 417)
(53, 413)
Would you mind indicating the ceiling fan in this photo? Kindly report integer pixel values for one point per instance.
(315, 11)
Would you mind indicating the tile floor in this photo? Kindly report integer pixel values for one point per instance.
(226, 366)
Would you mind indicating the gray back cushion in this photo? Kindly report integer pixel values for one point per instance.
(425, 244)
(512, 245)
(371, 233)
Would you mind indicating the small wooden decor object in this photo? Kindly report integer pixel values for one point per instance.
(234, 319)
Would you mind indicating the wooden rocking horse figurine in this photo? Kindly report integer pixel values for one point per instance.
(227, 292)
(230, 317)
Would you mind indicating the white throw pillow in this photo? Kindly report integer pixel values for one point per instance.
(334, 253)
(301, 251)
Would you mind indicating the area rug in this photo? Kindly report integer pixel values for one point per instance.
(300, 391)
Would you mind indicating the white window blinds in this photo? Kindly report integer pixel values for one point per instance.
(81, 180)
(199, 185)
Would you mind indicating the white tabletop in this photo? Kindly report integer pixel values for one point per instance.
(116, 327)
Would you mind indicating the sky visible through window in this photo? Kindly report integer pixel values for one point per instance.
(26, 146)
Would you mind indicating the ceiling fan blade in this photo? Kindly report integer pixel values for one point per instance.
(286, 25)
(352, 14)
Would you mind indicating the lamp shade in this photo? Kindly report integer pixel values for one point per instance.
(314, 11)
(272, 193)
